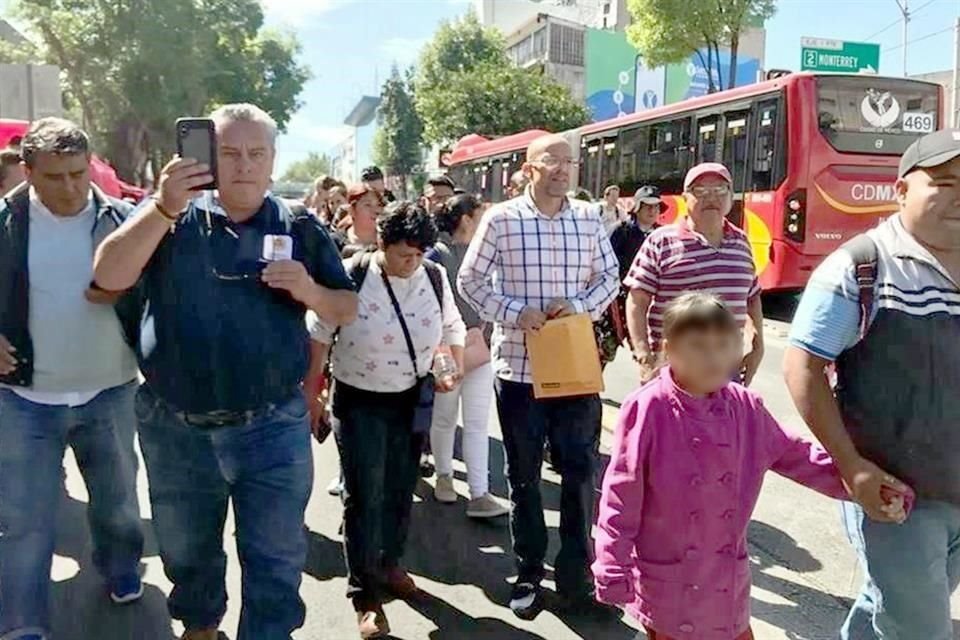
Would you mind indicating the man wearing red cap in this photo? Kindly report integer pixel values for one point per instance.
(702, 251)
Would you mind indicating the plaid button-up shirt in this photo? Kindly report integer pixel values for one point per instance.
(520, 257)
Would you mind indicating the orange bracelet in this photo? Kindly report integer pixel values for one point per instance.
(164, 212)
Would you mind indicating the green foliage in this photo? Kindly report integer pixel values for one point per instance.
(397, 142)
(458, 47)
(669, 31)
(465, 83)
(307, 169)
(131, 67)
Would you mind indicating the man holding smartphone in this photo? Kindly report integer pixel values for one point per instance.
(226, 277)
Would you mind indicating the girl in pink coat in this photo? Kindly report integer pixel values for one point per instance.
(689, 457)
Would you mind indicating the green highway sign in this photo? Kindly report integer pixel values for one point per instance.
(837, 56)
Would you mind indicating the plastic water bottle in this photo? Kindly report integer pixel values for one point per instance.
(444, 368)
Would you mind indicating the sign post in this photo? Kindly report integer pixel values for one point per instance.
(837, 56)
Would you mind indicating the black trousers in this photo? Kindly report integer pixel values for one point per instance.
(379, 455)
(572, 427)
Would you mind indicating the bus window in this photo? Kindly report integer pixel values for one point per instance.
(668, 157)
(875, 115)
(735, 139)
(767, 167)
(707, 139)
(633, 157)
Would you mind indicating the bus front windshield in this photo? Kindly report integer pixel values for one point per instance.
(865, 114)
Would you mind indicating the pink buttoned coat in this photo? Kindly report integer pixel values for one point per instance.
(684, 477)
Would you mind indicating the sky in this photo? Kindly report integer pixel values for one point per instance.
(350, 46)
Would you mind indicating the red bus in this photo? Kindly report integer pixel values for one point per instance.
(813, 157)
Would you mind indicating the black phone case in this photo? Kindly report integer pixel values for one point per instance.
(206, 124)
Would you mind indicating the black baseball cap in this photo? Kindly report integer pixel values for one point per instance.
(932, 150)
(370, 174)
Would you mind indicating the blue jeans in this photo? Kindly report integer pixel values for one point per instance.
(911, 570)
(266, 468)
(33, 438)
(572, 426)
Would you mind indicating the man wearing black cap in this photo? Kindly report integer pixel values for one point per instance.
(373, 177)
(628, 237)
(885, 309)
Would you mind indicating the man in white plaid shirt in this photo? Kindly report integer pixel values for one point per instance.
(536, 257)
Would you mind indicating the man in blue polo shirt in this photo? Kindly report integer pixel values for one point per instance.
(226, 279)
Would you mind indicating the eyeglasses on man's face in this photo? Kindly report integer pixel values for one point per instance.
(717, 191)
(550, 163)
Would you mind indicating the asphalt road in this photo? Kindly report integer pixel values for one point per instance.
(804, 573)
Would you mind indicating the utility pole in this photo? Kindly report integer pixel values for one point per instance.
(904, 9)
(955, 89)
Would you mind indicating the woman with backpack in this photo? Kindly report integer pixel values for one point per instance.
(383, 393)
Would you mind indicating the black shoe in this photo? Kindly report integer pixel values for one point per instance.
(526, 600)
(426, 468)
(584, 603)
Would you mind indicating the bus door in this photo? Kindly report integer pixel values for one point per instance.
(735, 154)
(609, 165)
(494, 192)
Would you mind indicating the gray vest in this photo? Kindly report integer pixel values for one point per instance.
(899, 387)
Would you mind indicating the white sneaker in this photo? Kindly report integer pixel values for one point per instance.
(444, 491)
(486, 506)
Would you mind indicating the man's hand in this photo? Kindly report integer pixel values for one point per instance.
(560, 308)
(291, 276)
(179, 180)
(8, 362)
(531, 319)
(751, 363)
(865, 482)
(447, 383)
(647, 362)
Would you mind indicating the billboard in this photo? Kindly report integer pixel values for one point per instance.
(617, 82)
(610, 81)
(689, 79)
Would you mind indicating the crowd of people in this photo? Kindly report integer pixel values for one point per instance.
(255, 322)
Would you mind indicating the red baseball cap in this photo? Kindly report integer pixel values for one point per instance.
(706, 169)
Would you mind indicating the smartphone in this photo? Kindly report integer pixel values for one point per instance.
(197, 139)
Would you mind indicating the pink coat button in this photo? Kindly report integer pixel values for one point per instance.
(687, 628)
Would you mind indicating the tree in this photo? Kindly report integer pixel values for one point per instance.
(308, 169)
(397, 142)
(669, 31)
(131, 67)
(465, 83)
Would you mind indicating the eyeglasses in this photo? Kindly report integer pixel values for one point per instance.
(234, 277)
(553, 164)
(219, 275)
(719, 191)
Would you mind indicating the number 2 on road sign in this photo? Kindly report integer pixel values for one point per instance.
(810, 58)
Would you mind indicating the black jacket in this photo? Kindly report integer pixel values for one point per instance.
(15, 278)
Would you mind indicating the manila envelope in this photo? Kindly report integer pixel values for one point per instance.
(564, 358)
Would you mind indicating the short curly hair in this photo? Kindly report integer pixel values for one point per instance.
(407, 221)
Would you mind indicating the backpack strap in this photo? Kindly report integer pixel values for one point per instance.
(436, 280)
(865, 256)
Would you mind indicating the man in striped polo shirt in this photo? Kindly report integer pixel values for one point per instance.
(890, 319)
(702, 251)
